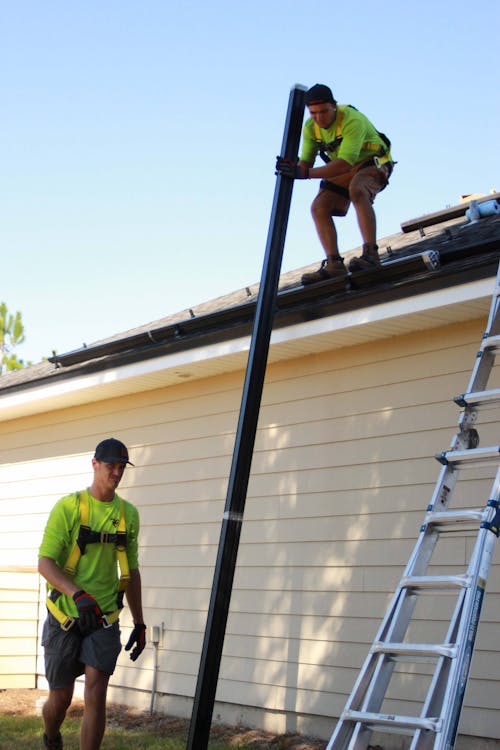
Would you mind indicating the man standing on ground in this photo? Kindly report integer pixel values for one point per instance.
(89, 534)
(358, 166)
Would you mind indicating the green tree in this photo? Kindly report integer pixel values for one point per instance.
(11, 335)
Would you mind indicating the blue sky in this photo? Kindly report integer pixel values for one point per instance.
(139, 141)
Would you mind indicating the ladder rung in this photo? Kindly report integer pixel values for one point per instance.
(471, 455)
(436, 582)
(448, 517)
(415, 649)
(478, 398)
(391, 720)
(490, 342)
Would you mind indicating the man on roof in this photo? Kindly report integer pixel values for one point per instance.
(358, 165)
(89, 536)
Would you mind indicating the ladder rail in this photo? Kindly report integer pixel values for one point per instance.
(485, 357)
(485, 546)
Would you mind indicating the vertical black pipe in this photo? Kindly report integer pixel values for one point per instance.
(204, 698)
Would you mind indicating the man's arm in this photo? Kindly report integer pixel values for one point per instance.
(332, 169)
(137, 638)
(134, 596)
(52, 573)
(302, 170)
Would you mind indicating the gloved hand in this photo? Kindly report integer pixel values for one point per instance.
(292, 169)
(137, 636)
(89, 612)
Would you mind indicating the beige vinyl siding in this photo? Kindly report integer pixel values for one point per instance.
(342, 472)
(18, 627)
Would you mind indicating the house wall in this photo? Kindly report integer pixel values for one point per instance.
(342, 472)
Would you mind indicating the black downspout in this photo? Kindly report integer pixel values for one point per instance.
(204, 698)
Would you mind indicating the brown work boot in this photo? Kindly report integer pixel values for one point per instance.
(331, 268)
(56, 744)
(367, 261)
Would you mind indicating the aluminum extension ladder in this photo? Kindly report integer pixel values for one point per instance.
(438, 672)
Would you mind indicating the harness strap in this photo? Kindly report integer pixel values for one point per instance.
(67, 621)
(87, 536)
(77, 551)
(380, 151)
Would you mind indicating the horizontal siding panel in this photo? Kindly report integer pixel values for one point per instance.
(479, 723)
(254, 578)
(277, 698)
(18, 626)
(14, 681)
(21, 611)
(12, 580)
(18, 645)
(13, 597)
(17, 664)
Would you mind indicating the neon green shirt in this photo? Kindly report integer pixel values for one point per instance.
(356, 131)
(97, 571)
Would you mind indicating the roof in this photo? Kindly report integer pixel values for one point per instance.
(440, 262)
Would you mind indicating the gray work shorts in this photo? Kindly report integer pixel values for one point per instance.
(67, 652)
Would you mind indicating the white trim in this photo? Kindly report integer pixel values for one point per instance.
(389, 310)
(125, 372)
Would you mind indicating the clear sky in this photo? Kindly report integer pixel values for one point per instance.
(138, 142)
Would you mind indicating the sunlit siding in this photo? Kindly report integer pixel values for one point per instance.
(18, 626)
(342, 471)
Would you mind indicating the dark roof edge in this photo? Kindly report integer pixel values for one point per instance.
(298, 305)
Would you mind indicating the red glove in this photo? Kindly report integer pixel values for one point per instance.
(293, 169)
(89, 612)
(137, 636)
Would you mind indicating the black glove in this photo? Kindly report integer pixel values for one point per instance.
(89, 613)
(137, 636)
(292, 169)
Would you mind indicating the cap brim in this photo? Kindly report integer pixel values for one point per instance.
(115, 460)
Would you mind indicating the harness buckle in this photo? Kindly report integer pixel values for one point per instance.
(105, 537)
(105, 623)
(67, 624)
(382, 160)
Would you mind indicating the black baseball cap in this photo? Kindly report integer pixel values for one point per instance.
(112, 451)
(319, 94)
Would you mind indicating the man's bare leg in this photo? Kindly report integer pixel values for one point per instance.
(54, 711)
(362, 195)
(323, 208)
(94, 714)
(367, 220)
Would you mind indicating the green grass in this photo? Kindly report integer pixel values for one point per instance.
(25, 733)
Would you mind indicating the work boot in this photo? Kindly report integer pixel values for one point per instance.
(367, 261)
(331, 268)
(56, 744)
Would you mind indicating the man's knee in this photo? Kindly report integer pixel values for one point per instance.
(366, 185)
(96, 685)
(326, 205)
(318, 211)
(360, 194)
(58, 701)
